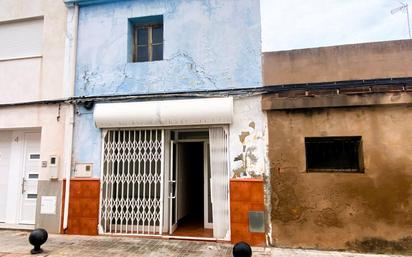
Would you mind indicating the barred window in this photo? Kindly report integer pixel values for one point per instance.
(334, 154)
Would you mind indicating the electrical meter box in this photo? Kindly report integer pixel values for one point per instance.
(83, 170)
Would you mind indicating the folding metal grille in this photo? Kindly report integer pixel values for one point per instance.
(132, 182)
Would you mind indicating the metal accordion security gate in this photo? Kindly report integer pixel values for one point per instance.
(132, 182)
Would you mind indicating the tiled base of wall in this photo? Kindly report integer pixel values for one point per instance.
(245, 195)
(83, 207)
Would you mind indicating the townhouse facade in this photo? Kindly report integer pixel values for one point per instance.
(339, 123)
(34, 123)
(162, 136)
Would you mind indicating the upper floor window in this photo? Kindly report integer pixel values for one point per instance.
(148, 42)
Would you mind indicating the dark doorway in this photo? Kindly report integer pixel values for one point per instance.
(190, 204)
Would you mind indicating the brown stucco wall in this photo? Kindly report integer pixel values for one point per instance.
(332, 211)
(337, 63)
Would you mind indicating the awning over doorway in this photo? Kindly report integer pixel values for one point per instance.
(164, 113)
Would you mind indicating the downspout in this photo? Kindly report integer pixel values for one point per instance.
(69, 82)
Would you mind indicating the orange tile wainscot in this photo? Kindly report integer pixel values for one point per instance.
(245, 195)
(83, 206)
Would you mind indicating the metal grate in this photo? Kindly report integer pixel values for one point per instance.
(132, 182)
(334, 154)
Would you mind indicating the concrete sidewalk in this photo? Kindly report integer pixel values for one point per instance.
(15, 244)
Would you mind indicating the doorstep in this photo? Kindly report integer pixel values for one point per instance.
(16, 226)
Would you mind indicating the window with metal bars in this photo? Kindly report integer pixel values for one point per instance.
(148, 42)
(334, 154)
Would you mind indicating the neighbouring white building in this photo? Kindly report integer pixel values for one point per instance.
(35, 124)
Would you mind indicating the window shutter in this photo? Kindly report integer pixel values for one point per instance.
(21, 39)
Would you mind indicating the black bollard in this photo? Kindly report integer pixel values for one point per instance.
(242, 249)
(37, 238)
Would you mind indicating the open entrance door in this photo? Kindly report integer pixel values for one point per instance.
(199, 184)
(207, 201)
(190, 208)
(173, 186)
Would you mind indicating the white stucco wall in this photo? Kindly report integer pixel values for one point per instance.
(248, 138)
(20, 80)
(36, 77)
(32, 71)
(43, 118)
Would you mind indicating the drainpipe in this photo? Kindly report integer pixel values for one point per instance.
(69, 82)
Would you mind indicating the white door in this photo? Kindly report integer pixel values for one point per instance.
(173, 186)
(31, 169)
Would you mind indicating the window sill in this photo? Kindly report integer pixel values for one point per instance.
(21, 58)
(158, 61)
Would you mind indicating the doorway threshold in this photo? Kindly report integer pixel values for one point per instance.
(170, 237)
(16, 226)
(191, 238)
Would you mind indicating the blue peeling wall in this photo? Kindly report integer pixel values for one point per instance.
(208, 45)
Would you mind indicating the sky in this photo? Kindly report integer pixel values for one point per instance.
(295, 24)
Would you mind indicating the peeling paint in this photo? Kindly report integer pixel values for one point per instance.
(248, 144)
(243, 136)
(247, 157)
(196, 56)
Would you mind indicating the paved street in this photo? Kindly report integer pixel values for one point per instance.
(15, 244)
